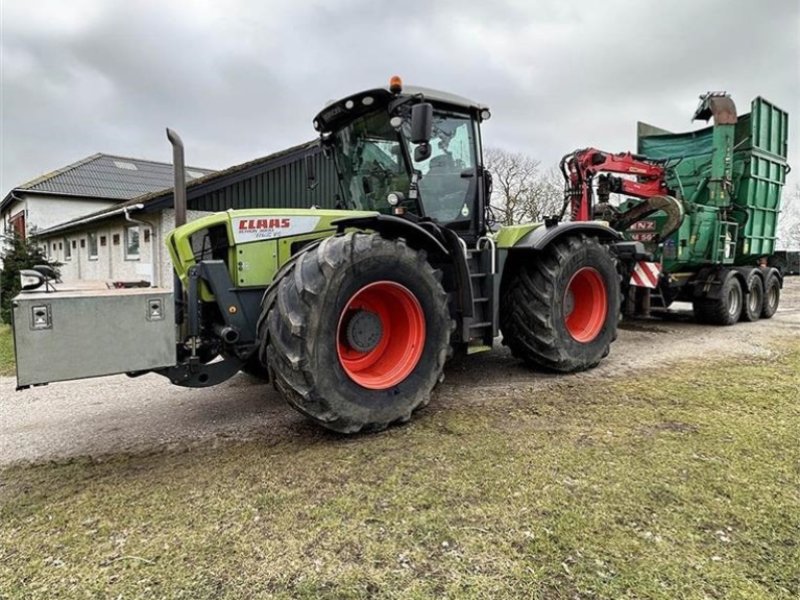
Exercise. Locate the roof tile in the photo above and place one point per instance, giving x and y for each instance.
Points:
(108, 176)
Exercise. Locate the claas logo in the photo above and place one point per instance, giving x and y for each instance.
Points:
(263, 224)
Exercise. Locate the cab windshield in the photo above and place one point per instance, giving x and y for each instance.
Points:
(372, 163)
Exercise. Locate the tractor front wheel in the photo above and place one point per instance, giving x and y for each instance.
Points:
(357, 332)
(561, 306)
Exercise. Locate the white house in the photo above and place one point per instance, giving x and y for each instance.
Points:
(91, 184)
(124, 243)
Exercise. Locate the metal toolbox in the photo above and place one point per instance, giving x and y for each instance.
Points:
(71, 335)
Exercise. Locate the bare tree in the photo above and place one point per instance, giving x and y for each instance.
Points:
(522, 191)
(789, 222)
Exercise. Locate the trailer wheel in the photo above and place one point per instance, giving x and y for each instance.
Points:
(357, 332)
(772, 296)
(560, 309)
(724, 310)
(754, 305)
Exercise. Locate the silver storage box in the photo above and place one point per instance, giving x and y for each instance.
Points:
(72, 335)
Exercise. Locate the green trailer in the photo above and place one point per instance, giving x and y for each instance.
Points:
(728, 179)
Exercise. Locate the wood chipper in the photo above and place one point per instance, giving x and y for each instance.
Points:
(704, 204)
(351, 313)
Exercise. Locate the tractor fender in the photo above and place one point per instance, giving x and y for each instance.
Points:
(446, 246)
(541, 237)
(393, 227)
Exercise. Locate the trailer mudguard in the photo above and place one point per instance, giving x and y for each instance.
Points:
(709, 281)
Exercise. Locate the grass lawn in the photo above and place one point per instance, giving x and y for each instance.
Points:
(683, 483)
(6, 350)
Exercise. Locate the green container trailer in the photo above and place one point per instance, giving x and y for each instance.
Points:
(730, 176)
(729, 179)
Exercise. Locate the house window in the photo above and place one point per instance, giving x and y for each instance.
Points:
(17, 223)
(102, 240)
(146, 236)
(60, 246)
(92, 237)
(74, 244)
(83, 242)
(132, 243)
(115, 239)
(54, 246)
(67, 250)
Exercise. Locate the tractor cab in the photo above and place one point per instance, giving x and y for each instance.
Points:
(411, 152)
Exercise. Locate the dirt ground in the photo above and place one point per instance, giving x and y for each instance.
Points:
(113, 415)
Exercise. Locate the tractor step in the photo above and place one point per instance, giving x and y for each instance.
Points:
(480, 300)
(481, 324)
(474, 349)
(476, 275)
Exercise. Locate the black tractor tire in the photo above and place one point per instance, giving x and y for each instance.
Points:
(724, 310)
(534, 307)
(256, 366)
(754, 303)
(772, 296)
(302, 325)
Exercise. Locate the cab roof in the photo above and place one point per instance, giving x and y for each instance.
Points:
(335, 109)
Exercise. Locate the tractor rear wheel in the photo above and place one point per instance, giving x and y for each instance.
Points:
(356, 332)
(255, 369)
(772, 296)
(560, 309)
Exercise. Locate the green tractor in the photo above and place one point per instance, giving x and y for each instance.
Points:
(353, 313)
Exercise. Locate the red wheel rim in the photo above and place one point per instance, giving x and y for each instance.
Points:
(586, 300)
(401, 341)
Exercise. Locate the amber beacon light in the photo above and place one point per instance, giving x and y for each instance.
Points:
(395, 84)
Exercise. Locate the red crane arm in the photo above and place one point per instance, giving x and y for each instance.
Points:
(581, 167)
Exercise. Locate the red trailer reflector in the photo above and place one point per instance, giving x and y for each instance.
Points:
(646, 274)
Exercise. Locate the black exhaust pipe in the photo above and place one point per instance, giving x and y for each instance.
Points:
(180, 177)
(179, 194)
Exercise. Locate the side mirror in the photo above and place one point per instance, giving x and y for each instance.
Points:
(311, 172)
(422, 130)
(421, 123)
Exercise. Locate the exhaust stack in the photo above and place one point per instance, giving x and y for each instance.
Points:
(180, 177)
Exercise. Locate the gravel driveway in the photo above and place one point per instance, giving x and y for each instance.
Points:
(116, 414)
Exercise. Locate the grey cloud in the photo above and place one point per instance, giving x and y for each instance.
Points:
(247, 78)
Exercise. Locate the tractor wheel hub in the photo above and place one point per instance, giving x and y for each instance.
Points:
(364, 330)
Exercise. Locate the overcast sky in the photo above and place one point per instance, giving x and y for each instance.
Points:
(241, 79)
